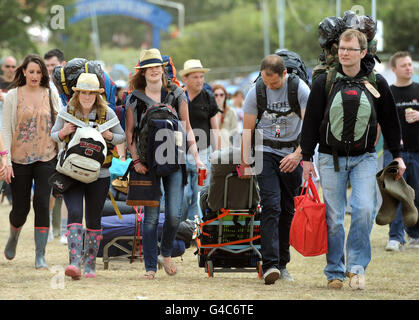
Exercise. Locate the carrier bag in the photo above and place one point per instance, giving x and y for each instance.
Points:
(308, 232)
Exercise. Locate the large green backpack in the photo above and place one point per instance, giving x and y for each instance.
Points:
(350, 121)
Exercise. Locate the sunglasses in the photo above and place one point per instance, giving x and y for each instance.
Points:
(9, 66)
(219, 94)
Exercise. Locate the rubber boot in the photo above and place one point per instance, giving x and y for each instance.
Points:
(91, 245)
(403, 193)
(75, 245)
(10, 250)
(388, 210)
(56, 217)
(41, 239)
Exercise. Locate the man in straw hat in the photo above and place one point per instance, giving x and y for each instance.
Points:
(202, 115)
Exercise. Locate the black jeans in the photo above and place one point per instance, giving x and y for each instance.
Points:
(38, 173)
(277, 191)
(94, 194)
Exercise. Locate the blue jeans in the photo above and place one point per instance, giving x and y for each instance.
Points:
(277, 191)
(411, 176)
(173, 195)
(190, 201)
(361, 172)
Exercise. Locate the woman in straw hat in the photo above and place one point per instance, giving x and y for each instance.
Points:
(28, 115)
(151, 80)
(88, 105)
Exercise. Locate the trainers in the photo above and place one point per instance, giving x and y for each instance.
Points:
(271, 275)
(394, 245)
(356, 281)
(63, 239)
(413, 243)
(284, 274)
(335, 284)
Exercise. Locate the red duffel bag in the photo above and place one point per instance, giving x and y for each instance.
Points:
(308, 233)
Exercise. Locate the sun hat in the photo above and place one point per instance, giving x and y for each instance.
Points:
(192, 65)
(88, 82)
(150, 58)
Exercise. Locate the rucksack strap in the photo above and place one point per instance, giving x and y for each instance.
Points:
(275, 144)
(261, 99)
(63, 83)
(72, 119)
(293, 83)
(142, 96)
(292, 92)
(101, 128)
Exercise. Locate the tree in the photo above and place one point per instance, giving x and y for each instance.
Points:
(16, 17)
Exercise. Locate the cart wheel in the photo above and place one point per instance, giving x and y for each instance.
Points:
(209, 268)
(259, 269)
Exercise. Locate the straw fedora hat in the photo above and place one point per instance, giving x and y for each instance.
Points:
(150, 58)
(192, 65)
(88, 82)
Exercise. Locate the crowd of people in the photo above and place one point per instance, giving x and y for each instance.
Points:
(33, 134)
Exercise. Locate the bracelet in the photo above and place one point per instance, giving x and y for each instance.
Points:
(3, 153)
(135, 161)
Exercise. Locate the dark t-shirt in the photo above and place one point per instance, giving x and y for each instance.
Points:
(4, 85)
(201, 109)
(407, 97)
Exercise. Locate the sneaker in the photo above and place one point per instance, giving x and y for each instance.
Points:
(50, 234)
(413, 243)
(271, 275)
(285, 275)
(335, 284)
(356, 281)
(63, 239)
(394, 245)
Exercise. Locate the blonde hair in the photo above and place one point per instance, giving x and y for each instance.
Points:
(100, 103)
(350, 34)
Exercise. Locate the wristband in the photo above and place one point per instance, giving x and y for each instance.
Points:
(136, 161)
(3, 153)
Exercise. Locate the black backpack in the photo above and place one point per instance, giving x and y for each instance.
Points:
(296, 69)
(146, 111)
(350, 121)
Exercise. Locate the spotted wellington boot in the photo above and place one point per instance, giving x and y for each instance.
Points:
(91, 247)
(75, 245)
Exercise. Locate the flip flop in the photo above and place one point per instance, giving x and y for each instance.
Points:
(149, 275)
(168, 268)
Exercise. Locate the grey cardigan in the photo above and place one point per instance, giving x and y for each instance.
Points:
(118, 133)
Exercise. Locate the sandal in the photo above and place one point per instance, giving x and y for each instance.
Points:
(149, 275)
(170, 268)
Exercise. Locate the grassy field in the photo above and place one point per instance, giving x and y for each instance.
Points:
(390, 276)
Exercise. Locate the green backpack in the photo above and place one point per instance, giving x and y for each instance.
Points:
(350, 121)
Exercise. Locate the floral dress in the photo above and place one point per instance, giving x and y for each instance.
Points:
(32, 137)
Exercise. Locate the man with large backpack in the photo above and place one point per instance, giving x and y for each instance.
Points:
(343, 109)
(280, 120)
